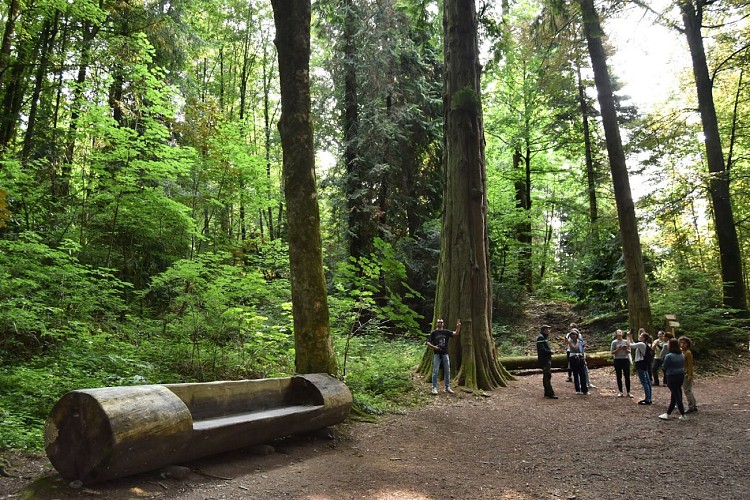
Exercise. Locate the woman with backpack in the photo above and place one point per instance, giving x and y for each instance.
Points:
(643, 355)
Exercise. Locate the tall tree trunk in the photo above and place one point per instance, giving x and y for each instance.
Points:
(590, 171)
(48, 36)
(639, 308)
(355, 184)
(314, 350)
(464, 289)
(15, 90)
(522, 168)
(267, 128)
(7, 41)
(734, 293)
(61, 186)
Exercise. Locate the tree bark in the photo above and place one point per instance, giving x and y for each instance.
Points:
(593, 360)
(639, 309)
(48, 37)
(522, 168)
(357, 189)
(590, 171)
(464, 287)
(734, 292)
(314, 350)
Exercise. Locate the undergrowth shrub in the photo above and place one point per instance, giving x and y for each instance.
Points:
(48, 296)
(696, 301)
(380, 373)
(224, 320)
(32, 388)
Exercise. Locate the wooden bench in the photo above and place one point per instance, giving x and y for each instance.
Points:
(98, 434)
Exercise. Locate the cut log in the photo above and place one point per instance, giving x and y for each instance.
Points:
(94, 435)
(593, 360)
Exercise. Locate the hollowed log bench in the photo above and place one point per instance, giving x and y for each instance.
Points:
(99, 434)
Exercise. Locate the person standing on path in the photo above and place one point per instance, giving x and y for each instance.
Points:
(674, 368)
(438, 342)
(620, 350)
(544, 357)
(687, 385)
(641, 351)
(577, 363)
(573, 326)
(664, 351)
(658, 360)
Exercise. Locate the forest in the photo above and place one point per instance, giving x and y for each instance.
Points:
(151, 230)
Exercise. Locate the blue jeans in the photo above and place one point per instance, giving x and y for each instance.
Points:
(645, 382)
(437, 360)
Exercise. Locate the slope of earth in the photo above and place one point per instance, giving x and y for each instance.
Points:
(510, 444)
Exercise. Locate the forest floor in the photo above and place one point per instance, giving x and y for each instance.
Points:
(508, 444)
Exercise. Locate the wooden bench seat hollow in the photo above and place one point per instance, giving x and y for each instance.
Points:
(253, 417)
(98, 434)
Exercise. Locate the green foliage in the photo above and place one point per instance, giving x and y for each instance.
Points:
(209, 307)
(369, 294)
(597, 275)
(47, 296)
(509, 343)
(31, 388)
(379, 373)
(696, 301)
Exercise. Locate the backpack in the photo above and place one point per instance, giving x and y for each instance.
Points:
(648, 359)
(649, 356)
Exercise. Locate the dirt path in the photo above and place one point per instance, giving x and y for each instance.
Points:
(511, 445)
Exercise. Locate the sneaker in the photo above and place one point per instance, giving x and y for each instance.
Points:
(449, 390)
(550, 397)
(592, 386)
(682, 417)
(569, 380)
(664, 416)
(630, 395)
(585, 393)
(579, 392)
(619, 394)
(642, 402)
(434, 390)
(692, 409)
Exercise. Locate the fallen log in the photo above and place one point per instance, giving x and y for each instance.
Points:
(593, 360)
(94, 435)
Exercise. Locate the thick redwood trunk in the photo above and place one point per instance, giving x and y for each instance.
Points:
(464, 289)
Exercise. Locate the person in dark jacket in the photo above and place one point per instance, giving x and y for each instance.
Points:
(544, 355)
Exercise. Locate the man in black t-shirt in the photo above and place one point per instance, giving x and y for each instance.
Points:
(544, 355)
(438, 342)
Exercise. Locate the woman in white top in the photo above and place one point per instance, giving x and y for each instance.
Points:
(640, 354)
(620, 350)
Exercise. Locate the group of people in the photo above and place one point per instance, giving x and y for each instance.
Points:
(670, 355)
